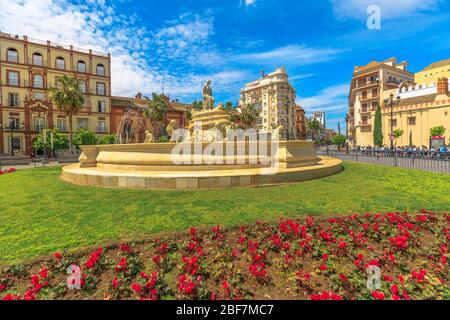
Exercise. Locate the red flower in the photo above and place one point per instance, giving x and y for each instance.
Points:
(115, 283)
(122, 266)
(136, 287)
(378, 295)
(326, 296)
(57, 255)
(125, 248)
(43, 273)
(323, 267)
(343, 277)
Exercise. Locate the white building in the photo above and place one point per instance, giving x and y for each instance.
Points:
(274, 97)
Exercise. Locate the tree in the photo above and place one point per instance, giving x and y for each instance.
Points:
(235, 116)
(314, 127)
(155, 111)
(437, 131)
(377, 128)
(338, 140)
(60, 141)
(68, 97)
(397, 134)
(197, 105)
(249, 116)
(108, 139)
(188, 115)
(84, 137)
(228, 105)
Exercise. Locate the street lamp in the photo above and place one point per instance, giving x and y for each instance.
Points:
(390, 102)
(347, 119)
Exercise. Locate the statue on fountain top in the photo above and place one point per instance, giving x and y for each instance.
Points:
(208, 99)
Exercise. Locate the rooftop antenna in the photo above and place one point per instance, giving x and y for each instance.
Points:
(262, 74)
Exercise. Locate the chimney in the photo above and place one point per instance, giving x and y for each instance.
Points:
(443, 86)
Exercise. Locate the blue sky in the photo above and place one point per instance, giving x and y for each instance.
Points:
(177, 44)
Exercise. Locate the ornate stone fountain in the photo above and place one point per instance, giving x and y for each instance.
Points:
(205, 159)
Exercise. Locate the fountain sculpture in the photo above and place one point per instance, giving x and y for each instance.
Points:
(209, 155)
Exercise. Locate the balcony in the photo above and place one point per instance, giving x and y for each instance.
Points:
(361, 85)
(14, 128)
(364, 123)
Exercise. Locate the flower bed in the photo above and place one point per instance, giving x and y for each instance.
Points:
(313, 258)
(10, 170)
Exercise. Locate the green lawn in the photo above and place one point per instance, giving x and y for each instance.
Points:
(40, 214)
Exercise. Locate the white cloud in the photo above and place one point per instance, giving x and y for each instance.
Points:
(292, 55)
(331, 99)
(247, 3)
(142, 60)
(390, 9)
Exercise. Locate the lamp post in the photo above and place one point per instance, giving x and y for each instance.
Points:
(347, 119)
(390, 102)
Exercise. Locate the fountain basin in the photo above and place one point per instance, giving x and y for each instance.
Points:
(234, 164)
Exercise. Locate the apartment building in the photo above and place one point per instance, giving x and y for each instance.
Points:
(274, 97)
(431, 74)
(300, 122)
(367, 89)
(28, 67)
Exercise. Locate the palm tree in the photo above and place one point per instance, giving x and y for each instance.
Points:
(155, 111)
(314, 127)
(397, 135)
(197, 105)
(249, 116)
(68, 97)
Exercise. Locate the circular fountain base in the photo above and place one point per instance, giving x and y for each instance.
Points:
(151, 166)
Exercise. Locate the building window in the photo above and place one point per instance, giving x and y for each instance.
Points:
(412, 121)
(13, 78)
(100, 70)
(38, 81)
(39, 124)
(16, 143)
(364, 95)
(61, 124)
(82, 123)
(13, 99)
(37, 59)
(14, 123)
(100, 88)
(375, 93)
(101, 126)
(81, 66)
(394, 122)
(12, 55)
(60, 63)
(101, 106)
(82, 86)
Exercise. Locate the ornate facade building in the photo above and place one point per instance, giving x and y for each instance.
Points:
(420, 108)
(433, 72)
(300, 120)
(28, 67)
(367, 89)
(274, 97)
(175, 111)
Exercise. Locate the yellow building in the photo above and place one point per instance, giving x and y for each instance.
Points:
(274, 97)
(367, 88)
(28, 68)
(420, 108)
(433, 72)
